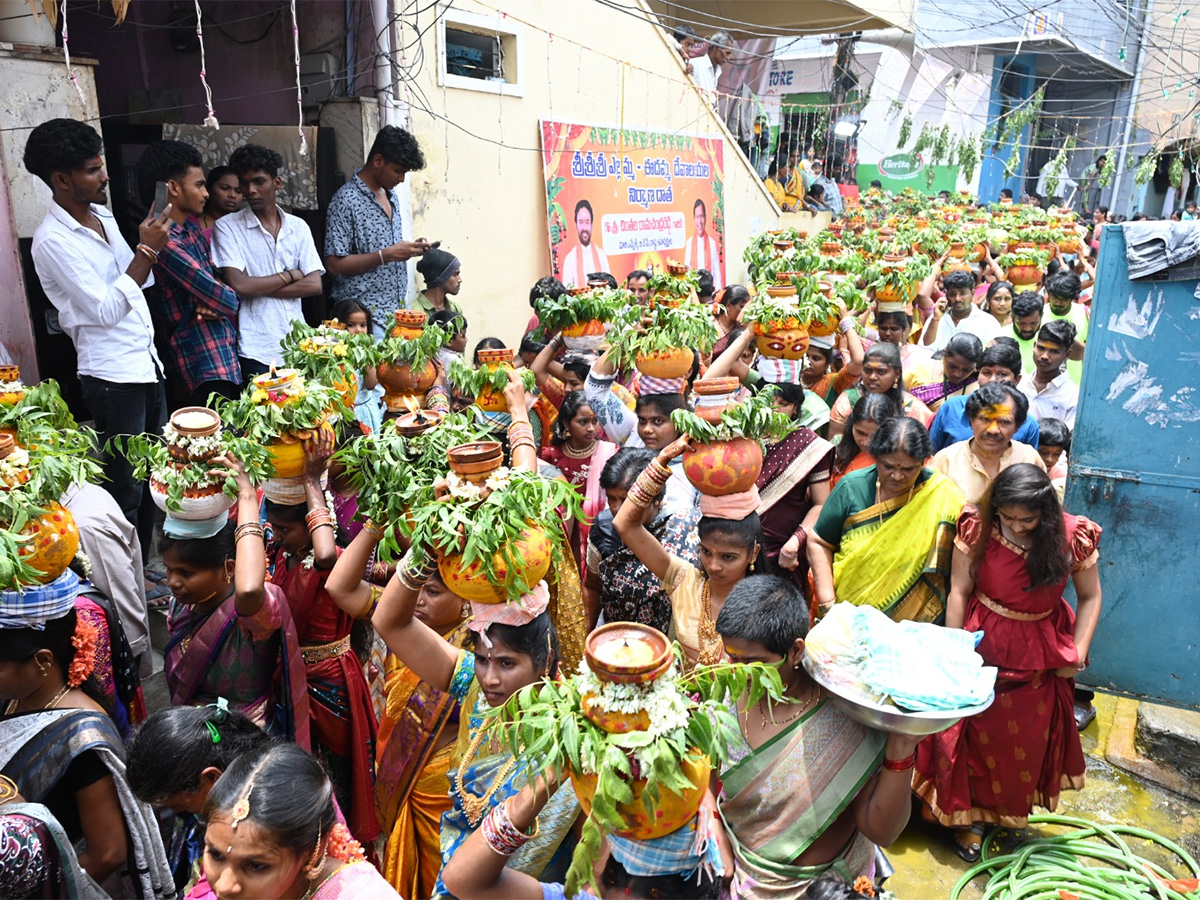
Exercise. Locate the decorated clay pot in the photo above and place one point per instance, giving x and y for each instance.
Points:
(958, 250)
(646, 819)
(665, 363)
(1069, 245)
(287, 455)
(16, 470)
(956, 265)
(784, 340)
(612, 721)
(824, 327)
(714, 395)
(409, 323)
(205, 502)
(400, 384)
(584, 337)
(9, 392)
(782, 247)
(477, 461)
(194, 422)
(488, 399)
(1025, 274)
(532, 548)
(677, 269)
(723, 467)
(627, 653)
(977, 253)
(279, 380)
(785, 278)
(831, 248)
(55, 541)
(780, 291)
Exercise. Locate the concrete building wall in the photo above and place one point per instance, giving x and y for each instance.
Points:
(483, 194)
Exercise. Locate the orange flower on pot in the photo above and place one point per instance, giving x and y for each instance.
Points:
(54, 542)
(723, 467)
(670, 813)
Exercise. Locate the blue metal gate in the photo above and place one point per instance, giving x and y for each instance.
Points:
(1134, 470)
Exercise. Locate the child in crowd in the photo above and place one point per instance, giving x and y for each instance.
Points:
(454, 324)
(1054, 446)
(368, 403)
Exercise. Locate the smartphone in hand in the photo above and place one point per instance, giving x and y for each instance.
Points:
(160, 198)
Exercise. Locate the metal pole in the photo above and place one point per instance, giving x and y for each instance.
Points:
(1139, 67)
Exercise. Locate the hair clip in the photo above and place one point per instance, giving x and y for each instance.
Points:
(240, 811)
(221, 716)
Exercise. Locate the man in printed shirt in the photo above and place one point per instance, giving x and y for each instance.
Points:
(94, 279)
(201, 309)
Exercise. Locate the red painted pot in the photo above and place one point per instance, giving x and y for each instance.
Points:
(725, 467)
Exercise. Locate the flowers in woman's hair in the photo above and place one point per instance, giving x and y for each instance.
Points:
(344, 847)
(84, 641)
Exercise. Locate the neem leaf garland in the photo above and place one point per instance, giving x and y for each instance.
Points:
(752, 418)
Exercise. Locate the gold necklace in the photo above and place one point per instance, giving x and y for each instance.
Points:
(14, 705)
(578, 454)
(706, 630)
(814, 694)
(474, 806)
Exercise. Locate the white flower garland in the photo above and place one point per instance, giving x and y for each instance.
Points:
(11, 387)
(662, 700)
(461, 489)
(15, 464)
(193, 445)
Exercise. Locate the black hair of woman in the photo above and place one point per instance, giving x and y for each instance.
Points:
(571, 404)
(21, 644)
(1026, 486)
(965, 345)
(889, 355)
(285, 512)
(624, 467)
(173, 748)
(202, 553)
(616, 878)
(537, 639)
(530, 344)
(793, 393)
(747, 532)
(487, 343)
(997, 286)
(289, 796)
(901, 435)
(868, 408)
(663, 404)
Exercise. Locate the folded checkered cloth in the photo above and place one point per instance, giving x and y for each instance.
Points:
(515, 612)
(778, 371)
(647, 385)
(37, 604)
(682, 852)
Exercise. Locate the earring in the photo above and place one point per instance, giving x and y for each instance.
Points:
(466, 609)
(751, 565)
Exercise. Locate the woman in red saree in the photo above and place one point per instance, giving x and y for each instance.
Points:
(1012, 558)
(342, 717)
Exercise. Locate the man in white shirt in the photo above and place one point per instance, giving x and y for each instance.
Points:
(585, 257)
(700, 251)
(959, 314)
(706, 70)
(268, 257)
(95, 280)
(1051, 392)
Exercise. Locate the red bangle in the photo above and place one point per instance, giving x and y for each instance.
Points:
(900, 765)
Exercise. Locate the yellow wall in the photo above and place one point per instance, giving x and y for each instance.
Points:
(487, 204)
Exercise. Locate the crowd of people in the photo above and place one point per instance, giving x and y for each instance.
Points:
(327, 734)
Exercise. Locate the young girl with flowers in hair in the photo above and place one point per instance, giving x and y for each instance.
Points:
(343, 726)
(272, 832)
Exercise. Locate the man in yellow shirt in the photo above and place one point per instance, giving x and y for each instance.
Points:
(777, 177)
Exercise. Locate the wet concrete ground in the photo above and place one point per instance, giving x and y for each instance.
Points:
(927, 868)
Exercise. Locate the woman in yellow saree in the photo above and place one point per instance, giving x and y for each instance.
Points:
(885, 536)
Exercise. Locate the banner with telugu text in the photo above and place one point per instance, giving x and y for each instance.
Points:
(621, 199)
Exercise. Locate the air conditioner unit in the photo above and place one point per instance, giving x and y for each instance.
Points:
(320, 78)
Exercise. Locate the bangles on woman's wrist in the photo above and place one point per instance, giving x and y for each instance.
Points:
(412, 574)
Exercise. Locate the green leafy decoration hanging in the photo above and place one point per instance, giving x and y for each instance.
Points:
(924, 140)
(1108, 169)
(1175, 172)
(1145, 169)
(906, 125)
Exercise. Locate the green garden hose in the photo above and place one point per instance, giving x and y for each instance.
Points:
(1088, 861)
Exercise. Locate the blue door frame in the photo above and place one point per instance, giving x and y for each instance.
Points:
(991, 172)
(1135, 470)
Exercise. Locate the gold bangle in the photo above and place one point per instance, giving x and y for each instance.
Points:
(373, 595)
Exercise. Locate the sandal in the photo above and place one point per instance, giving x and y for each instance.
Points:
(969, 850)
(158, 597)
(154, 574)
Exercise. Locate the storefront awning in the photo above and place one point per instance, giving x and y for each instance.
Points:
(785, 18)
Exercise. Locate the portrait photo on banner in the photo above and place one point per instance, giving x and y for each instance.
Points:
(619, 199)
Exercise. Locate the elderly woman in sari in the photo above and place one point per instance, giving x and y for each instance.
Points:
(808, 793)
(61, 749)
(885, 535)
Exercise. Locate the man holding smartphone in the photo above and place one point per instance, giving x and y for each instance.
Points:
(95, 281)
(364, 247)
(201, 309)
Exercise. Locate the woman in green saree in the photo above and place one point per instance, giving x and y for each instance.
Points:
(809, 793)
(885, 536)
